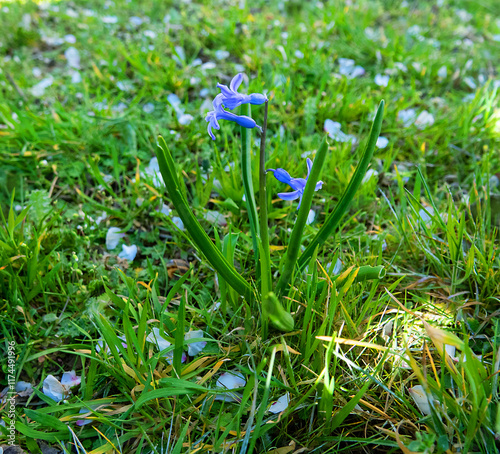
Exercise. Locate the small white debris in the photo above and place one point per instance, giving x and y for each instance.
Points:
(73, 57)
(424, 120)
(178, 222)
(381, 80)
(59, 390)
(149, 34)
(230, 380)
(135, 21)
(311, 217)
(333, 130)
(109, 19)
(185, 119)
(113, 237)
(37, 72)
(38, 90)
(125, 85)
(153, 170)
(221, 54)
(162, 344)
(70, 39)
(280, 405)
(407, 116)
(128, 252)
(148, 108)
(299, 54)
(442, 72)
(76, 77)
(426, 215)
(369, 174)
(208, 65)
(382, 142)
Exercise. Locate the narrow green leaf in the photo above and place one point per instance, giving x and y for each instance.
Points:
(212, 254)
(334, 219)
(173, 387)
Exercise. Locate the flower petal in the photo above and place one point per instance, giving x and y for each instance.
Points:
(281, 175)
(289, 195)
(309, 167)
(70, 379)
(195, 347)
(298, 183)
(52, 388)
(236, 82)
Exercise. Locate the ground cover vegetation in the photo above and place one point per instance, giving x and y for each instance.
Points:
(119, 336)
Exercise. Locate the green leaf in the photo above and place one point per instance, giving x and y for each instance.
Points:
(48, 421)
(171, 387)
(334, 219)
(201, 239)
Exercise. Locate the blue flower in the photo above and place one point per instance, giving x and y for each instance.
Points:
(232, 99)
(219, 113)
(297, 184)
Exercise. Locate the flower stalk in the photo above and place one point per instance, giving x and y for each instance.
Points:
(265, 258)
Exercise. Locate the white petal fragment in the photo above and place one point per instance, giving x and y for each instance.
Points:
(195, 347)
(113, 237)
(128, 252)
(280, 405)
(421, 399)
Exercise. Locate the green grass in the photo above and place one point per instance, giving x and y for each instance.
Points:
(430, 217)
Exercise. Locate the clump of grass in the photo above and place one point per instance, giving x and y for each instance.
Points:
(76, 160)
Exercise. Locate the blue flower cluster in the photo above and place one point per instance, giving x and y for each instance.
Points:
(230, 98)
(297, 184)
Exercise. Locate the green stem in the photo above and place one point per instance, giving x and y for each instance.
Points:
(265, 259)
(200, 238)
(246, 171)
(365, 273)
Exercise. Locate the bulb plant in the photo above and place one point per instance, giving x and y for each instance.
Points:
(267, 293)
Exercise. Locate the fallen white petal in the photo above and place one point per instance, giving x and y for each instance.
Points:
(215, 217)
(185, 119)
(178, 222)
(70, 379)
(231, 380)
(195, 347)
(407, 116)
(442, 72)
(310, 217)
(280, 405)
(381, 80)
(38, 90)
(221, 54)
(424, 120)
(128, 252)
(73, 57)
(53, 388)
(109, 19)
(368, 175)
(113, 237)
(421, 399)
(382, 142)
